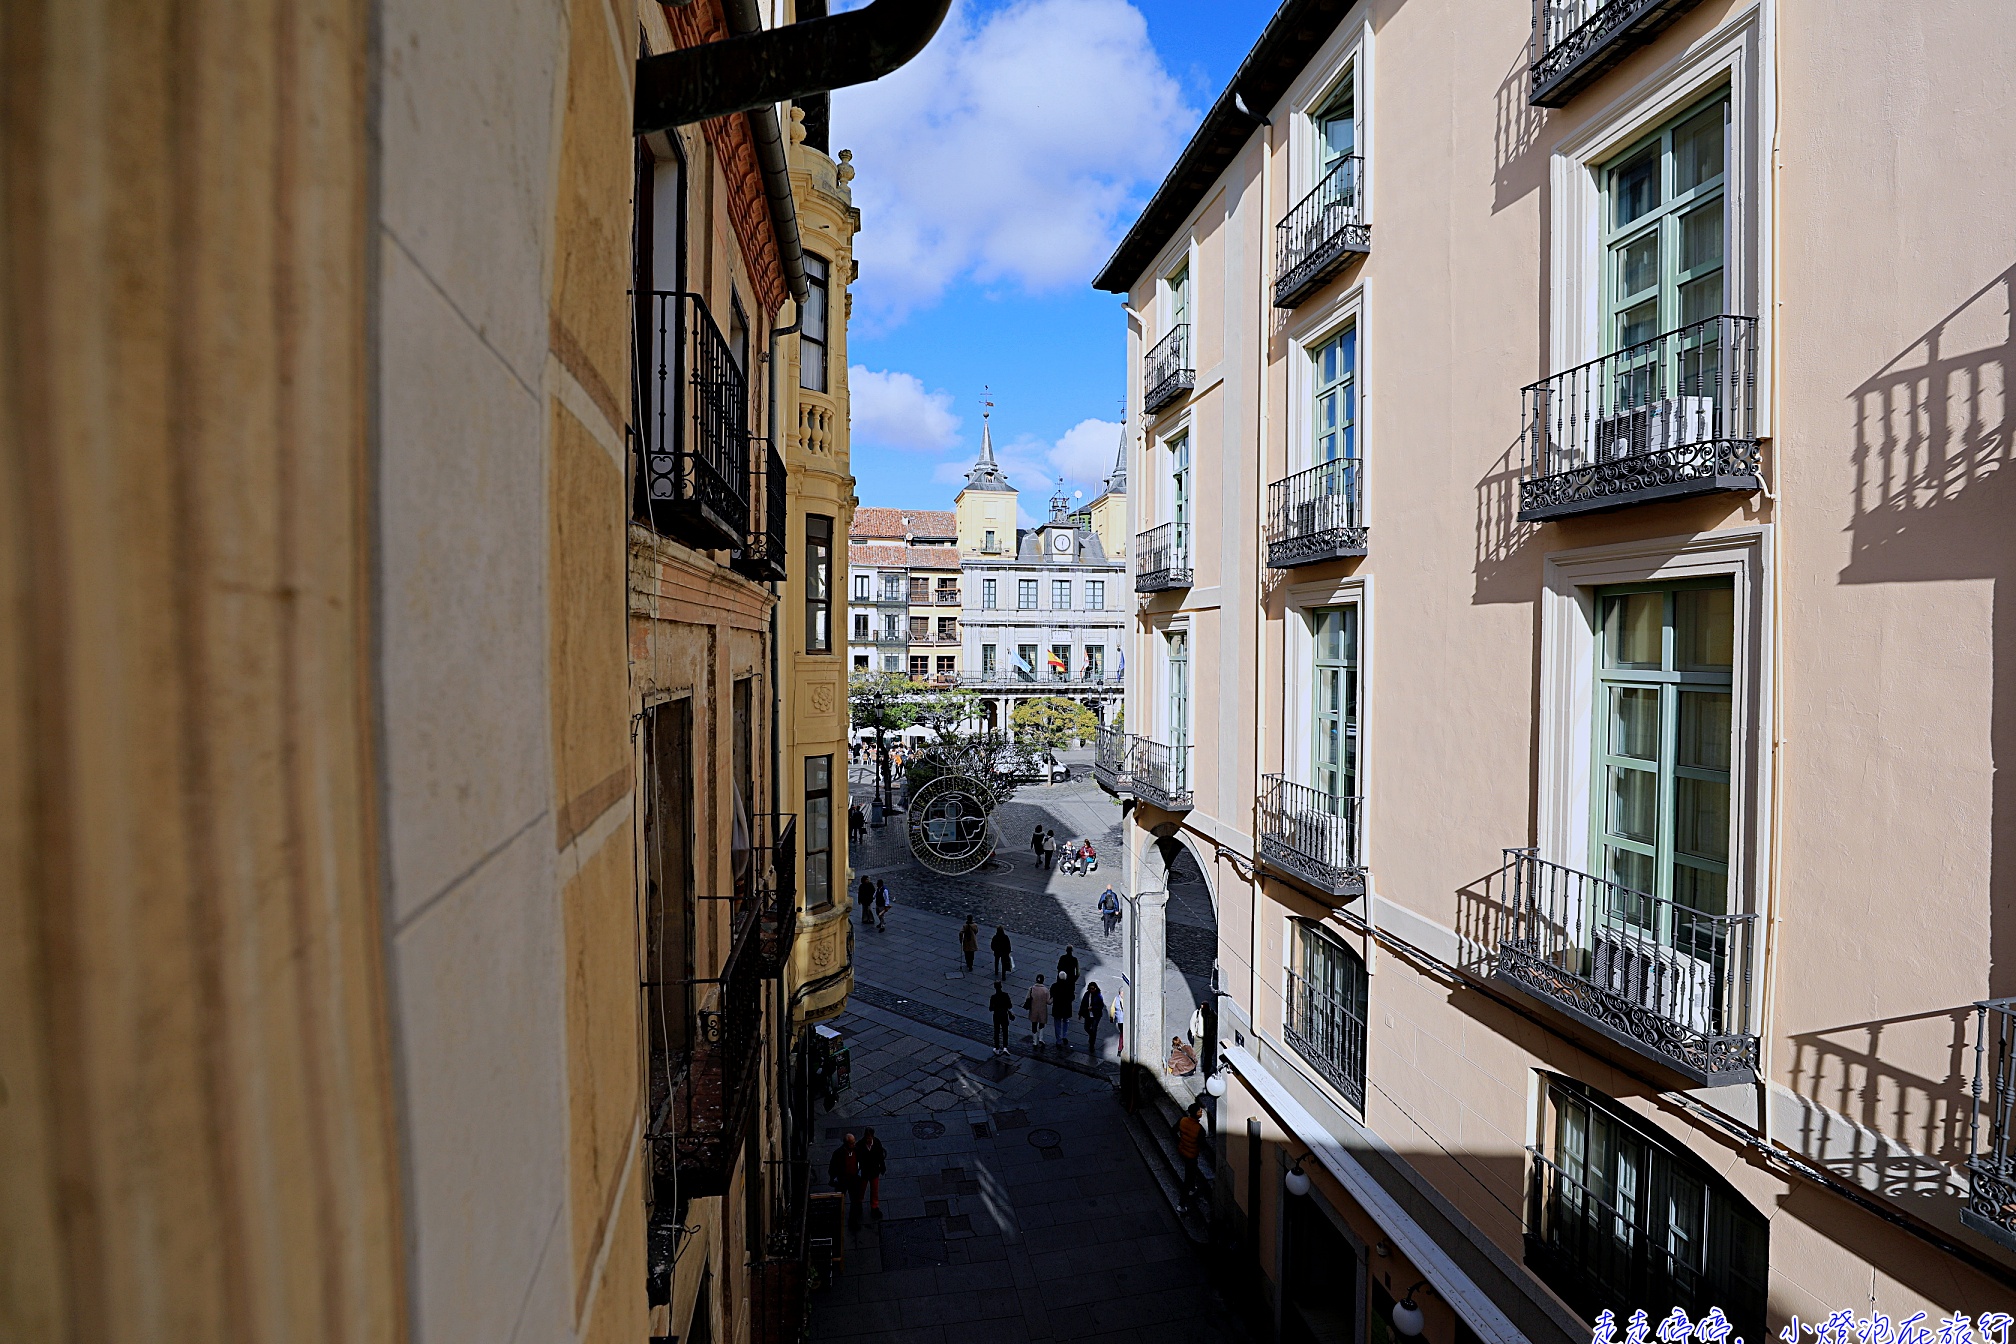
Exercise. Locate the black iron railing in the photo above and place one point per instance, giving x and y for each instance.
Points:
(691, 431)
(1312, 836)
(946, 597)
(1167, 371)
(778, 1310)
(1672, 416)
(1666, 979)
(762, 558)
(1575, 41)
(1164, 559)
(774, 877)
(1316, 515)
(697, 1127)
(1046, 680)
(1162, 774)
(1329, 1033)
(1321, 235)
(1113, 761)
(1991, 1131)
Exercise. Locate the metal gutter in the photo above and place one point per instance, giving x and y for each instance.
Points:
(747, 22)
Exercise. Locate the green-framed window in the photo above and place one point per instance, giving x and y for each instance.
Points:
(1336, 401)
(1179, 705)
(1664, 740)
(1333, 750)
(1335, 122)
(1665, 227)
(1179, 488)
(1179, 298)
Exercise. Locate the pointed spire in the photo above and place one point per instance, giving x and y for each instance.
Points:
(1116, 484)
(986, 473)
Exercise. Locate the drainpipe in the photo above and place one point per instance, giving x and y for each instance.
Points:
(756, 69)
(747, 22)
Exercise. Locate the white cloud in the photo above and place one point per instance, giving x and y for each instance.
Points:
(892, 410)
(1011, 150)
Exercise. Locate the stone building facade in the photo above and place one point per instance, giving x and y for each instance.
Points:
(1567, 569)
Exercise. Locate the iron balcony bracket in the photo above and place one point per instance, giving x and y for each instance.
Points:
(743, 73)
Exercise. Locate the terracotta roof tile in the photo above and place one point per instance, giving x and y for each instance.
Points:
(874, 524)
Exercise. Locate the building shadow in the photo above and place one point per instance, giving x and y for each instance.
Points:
(1861, 1103)
(1931, 433)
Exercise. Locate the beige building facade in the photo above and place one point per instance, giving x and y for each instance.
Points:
(1583, 444)
(401, 845)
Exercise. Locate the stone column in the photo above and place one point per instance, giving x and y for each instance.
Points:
(1147, 949)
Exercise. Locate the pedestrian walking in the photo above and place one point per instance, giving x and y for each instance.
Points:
(1063, 994)
(1049, 850)
(865, 898)
(969, 941)
(1092, 1012)
(844, 1171)
(1067, 964)
(874, 1161)
(1189, 1143)
(1036, 845)
(1109, 909)
(857, 824)
(1003, 1009)
(1004, 958)
(882, 904)
(1038, 1004)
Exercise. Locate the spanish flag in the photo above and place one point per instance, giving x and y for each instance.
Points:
(1058, 664)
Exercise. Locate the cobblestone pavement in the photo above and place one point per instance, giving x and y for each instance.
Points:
(1016, 1207)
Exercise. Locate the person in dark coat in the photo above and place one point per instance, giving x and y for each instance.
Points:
(969, 941)
(1004, 960)
(1003, 1009)
(1063, 994)
(844, 1171)
(874, 1161)
(1036, 845)
(1067, 964)
(1092, 1012)
(864, 897)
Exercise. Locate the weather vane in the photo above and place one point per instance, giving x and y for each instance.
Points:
(986, 394)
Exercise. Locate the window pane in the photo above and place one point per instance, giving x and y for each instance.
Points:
(1704, 730)
(1704, 890)
(1700, 300)
(1638, 324)
(1634, 722)
(1701, 237)
(1697, 150)
(1631, 870)
(1701, 818)
(1638, 265)
(1705, 637)
(1634, 804)
(1633, 625)
(1634, 188)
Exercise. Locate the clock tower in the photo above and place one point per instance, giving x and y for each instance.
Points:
(1058, 537)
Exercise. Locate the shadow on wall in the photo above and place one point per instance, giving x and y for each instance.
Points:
(1518, 165)
(1933, 497)
(1842, 1071)
(1506, 569)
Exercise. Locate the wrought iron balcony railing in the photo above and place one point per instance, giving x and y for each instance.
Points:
(1311, 836)
(774, 874)
(889, 599)
(1991, 1131)
(692, 432)
(1167, 372)
(778, 1278)
(1329, 1033)
(700, 1100)
(1668, 981)
(946, 597)
(1669, 417)
(1165, 559)
(1161, 774)
(762, 557)
(1048, 682)
(1113, 761)
(1316, 515)
(1320, 236)
(1576, 41)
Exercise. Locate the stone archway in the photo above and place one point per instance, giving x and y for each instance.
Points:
(1165, 869)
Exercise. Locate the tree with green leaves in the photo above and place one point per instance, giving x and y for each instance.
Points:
(988, 758)
(882, 703)
(945, 712)
(1052, 723)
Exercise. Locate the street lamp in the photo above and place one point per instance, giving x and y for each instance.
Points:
(1297, 1180)
(1214, 1083)
(1406, 1316)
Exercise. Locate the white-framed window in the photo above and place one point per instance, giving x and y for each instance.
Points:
(1176, 298)
(860, 587)
(1060, 594)
(1025, 594)
(988, 599)
(1095, 595)
(987, 664)
(1626, 189)
(860, 627)
(1634, 777)
(1326, 642)
(1330, 104)
(1178, 475)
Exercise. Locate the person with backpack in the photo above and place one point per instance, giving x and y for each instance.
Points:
(1109, 909)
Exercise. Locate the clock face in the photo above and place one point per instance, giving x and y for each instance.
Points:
(1061, 542)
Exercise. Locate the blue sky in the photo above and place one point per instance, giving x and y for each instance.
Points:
(994, 175)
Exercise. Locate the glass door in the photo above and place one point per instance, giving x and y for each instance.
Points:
(1179, 709)
(1179, 506)
(1336, 433)
(1334, 753)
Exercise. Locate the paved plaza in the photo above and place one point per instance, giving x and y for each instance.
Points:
(1018, 1204)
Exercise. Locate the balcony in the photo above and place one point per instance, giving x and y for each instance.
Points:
(947, 597)
(1161, 774)
(1113, 762)
(1322, 235)
(1667, 418)
(699, 1103)
(1165, 559)
(1576, 41)
(1666, 981)
(774, 877)
(1329, 1033)
(778, 1279)
(1312, 837)
(762, 555)
(1315, 515)
(691, 433)
(1167, 372)
(1991, 1146)
(1047, 683)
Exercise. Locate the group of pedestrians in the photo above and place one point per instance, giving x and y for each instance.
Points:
(856, 1168)
(873, 898)
(1078, 859)
(1050, 1007)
